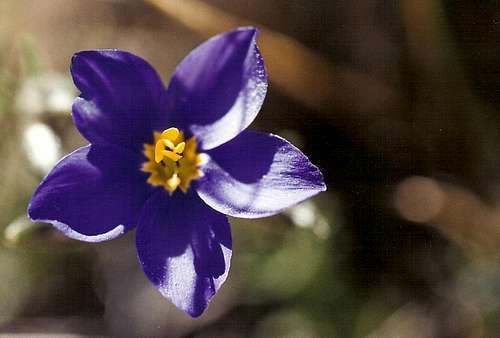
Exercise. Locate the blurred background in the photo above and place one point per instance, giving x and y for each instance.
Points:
(396, 101)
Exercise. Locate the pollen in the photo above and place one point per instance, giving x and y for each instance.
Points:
(173, 162)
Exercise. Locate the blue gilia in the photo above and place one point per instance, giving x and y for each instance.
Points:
(173, 162)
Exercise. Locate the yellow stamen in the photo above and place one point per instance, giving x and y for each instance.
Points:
(169, 144)
(172, 162)
(170, 134)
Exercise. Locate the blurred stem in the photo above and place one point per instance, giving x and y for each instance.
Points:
(20, 229)
(430, 42)
(468, 221)
(297, 70)
(457, 212)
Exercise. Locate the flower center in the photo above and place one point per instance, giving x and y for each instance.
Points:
(172, 161)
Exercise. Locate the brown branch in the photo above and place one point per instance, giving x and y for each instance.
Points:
(295, 69)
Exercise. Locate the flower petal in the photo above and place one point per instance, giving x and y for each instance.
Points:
(94, 194)
(122, 98)
(218, 89)
(257, 175)
(184, 247)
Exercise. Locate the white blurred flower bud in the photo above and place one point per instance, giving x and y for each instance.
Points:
(42, 147)
(46, 93)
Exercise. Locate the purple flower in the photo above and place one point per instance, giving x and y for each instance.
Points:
(174, 162)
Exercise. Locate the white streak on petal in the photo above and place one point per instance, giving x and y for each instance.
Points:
(68, 232)
(179, 270)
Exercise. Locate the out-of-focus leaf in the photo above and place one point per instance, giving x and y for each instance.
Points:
(293, 323)
(288, 269)
(30, 56)
(15, 286)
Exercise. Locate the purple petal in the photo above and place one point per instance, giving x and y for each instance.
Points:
(122, 98)
(184, 248)
(257, 175)
(218, 89)
(94, 194)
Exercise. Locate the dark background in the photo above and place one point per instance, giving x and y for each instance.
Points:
(396, 101)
